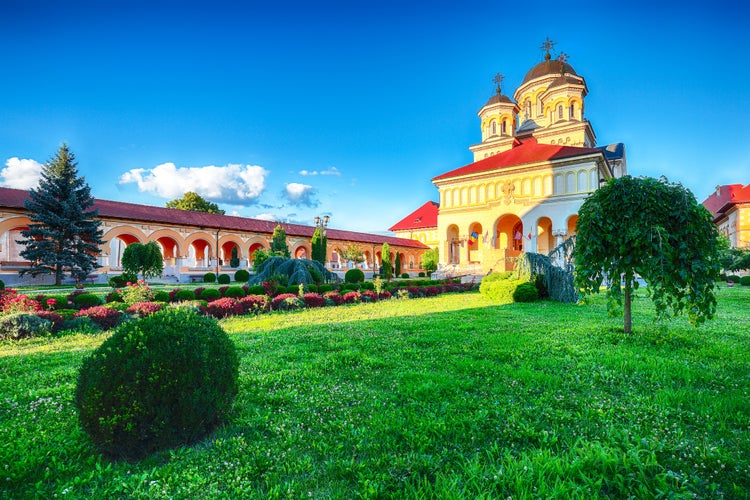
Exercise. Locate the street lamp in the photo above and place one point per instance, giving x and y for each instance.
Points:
(322, 223)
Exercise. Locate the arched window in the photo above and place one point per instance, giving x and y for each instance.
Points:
(504, 129)
(493, 128)
(572, 111)
(559, 112)
(527, 110)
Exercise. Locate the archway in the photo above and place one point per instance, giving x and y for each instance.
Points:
(229, 251)
(169, 251)
(453, 245)
(301, 253)
(572, 225)
(200, 254)
(10, 251)
(251, 252)
(117, 246)
(545, 242)
(509, 231)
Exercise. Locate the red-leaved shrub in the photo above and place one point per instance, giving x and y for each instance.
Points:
(279, 299)
(254, 304)
(335, 297)
(369, 296)
(105, 317)
(144, 309)
(221, 308)
(314, 300)
(55, 318)
(352, 297)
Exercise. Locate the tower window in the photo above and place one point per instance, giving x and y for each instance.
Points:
(493, 127)
(504, 129)
(559, 112)
(572, 111)
(527, 109)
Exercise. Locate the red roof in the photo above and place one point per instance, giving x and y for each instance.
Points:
(726, 194)
(423, 217)
(14, 198)
(527, 151)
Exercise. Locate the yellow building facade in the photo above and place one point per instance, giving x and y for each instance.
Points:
(536, 163)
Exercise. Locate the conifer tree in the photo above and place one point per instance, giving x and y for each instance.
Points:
(397, 264)
(385, 261)
(64, 234)
(319, 243)
(278, 243)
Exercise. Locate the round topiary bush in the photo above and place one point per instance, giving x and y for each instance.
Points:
(161, 381)
(405, 276)
(209, 278)
(224, 279)
(161, 296)
(241, 275)
(84, 300)
(421, 274)
(733, 278)
(183, 295)
(526, 292)
(210, 294)
(235, 292)
(354, 276)
(745, 281)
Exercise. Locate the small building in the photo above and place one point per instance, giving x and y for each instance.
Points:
(192, 241)
(730, 207)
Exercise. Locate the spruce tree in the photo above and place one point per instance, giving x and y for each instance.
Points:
(64, 234)
(278, 243)
(319, 243)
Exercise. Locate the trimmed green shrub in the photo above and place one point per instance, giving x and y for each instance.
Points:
(23, 325)
(210, 294)
(113, 297)
(733, 278)
(121, 280)
(209, 278)
(161, 296)
(84, 300)
(80, 324)
(525, 292)
(103, 316)
(256, 290)
(117, 306)
(421, 274)
(241, 275)
(354, 276)
(745, 281)
(224, 279)
(183, 295)
(498, 287)
(161, 381)
(234, 292)
(2, 285)
(405, 275)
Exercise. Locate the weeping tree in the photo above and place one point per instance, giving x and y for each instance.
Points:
(553, 273)
(295, 271)
(143, 259)
(654, 229)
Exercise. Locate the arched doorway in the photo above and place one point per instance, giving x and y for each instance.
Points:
(117, 246)
(301, 253)
(229, 252)
(545, 242)
(10, 251)
(169, 254)
(510, 239)
(251, 252)
(453, 245)
(572, 225)
(200, 254)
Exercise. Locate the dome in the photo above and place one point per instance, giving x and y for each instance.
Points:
(566, 80)
(498, 98)
(549, 67)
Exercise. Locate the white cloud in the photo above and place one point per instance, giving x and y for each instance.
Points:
(330, 171)
(268, 217)
(20, 174)
(229, 184)
(300, 194)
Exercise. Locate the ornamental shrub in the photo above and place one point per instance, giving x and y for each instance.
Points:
(23, 326)
(354, 276)
(117, 306)
(525, 292)
(113, 297)
(334, 297)
(224, 307)
(255, 304)
(256, 290)
(162, 381)
(421, 274)
(209, 278)
(210, 294)
(161, 296)
(234, 292)
(198, 290)
(81, 324)
(105, 317)
(241, 275)
(368, 296)
(184, 295)
(498, 287)
(405, 275)
(352, 297)
(138, 291)
(143, 309)
(85, 300)
(745, 281)
(52, 317)
(224, 279)
(313, 300)
(2, 285)
(121, 280)
(323, 288)
(733, 278)
(223, 290)
(278, 301)
(12, 302)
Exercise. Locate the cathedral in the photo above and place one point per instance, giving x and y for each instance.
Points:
(537, 161)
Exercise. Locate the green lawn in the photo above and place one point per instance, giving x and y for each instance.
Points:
(445, 397)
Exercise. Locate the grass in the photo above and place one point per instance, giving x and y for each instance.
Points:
(445, 397)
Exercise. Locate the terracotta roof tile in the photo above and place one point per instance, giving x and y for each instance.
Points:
(716, 201)
(423, 217)
(528, 151)
(14, 198)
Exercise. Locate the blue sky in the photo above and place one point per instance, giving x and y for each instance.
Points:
(289, 110)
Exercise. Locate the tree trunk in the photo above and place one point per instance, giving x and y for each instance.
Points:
(626, 310)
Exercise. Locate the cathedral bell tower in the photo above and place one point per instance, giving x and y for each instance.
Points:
(498, 122)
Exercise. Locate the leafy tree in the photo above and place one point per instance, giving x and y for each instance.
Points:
(397, 264)
(64, 234)
(734, 259)
(259, 257)
(430, 260)
(385, 260)
(143, 259)
(319, 243)
(193, 201)
(352, 252)
(278, 242)
(654, 229)
(234, 261)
